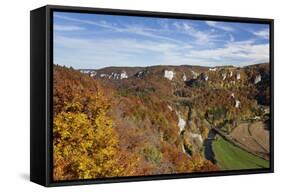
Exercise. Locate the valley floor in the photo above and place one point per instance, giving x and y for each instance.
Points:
(230, 157)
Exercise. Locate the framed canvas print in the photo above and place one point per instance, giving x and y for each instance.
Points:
(122, 95)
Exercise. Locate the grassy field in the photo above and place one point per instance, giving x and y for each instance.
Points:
(230, 157)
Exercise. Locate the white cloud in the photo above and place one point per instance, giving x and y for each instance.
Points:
(90, 22)
(97, 53)
(219, 25)
(67, 28)
(235, 53)
(132, 29)
(144, 31)
(201, 37)
(262, 33)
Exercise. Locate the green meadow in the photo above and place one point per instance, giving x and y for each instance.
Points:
(230, 157)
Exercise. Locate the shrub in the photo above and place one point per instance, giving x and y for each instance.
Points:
(151, 154)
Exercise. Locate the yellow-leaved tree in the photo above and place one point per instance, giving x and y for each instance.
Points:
(84, 141)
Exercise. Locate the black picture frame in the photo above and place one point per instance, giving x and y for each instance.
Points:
(41, 61)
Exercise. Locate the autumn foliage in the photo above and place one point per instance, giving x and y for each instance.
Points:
(99, 131)
(85, 145)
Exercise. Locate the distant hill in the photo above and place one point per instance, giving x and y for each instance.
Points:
(254, 77)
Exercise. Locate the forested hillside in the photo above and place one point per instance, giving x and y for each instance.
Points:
(154, 120)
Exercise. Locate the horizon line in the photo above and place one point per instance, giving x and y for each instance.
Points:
(163, 65)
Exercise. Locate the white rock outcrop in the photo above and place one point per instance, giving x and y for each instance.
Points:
(123, 75)
(85, 71)
(103, 75)
(140, 74)
(184, 77)
(213, 69)
(169, 74)
(223, 76)
(181, 122)
(182, 148)
(93, 73)
(197, 136)
(257, 79)
(238, 76)
(206, 77)
(194, 74)
(170, 108)
(237, 103)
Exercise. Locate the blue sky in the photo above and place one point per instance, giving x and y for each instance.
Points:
(95, 41)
